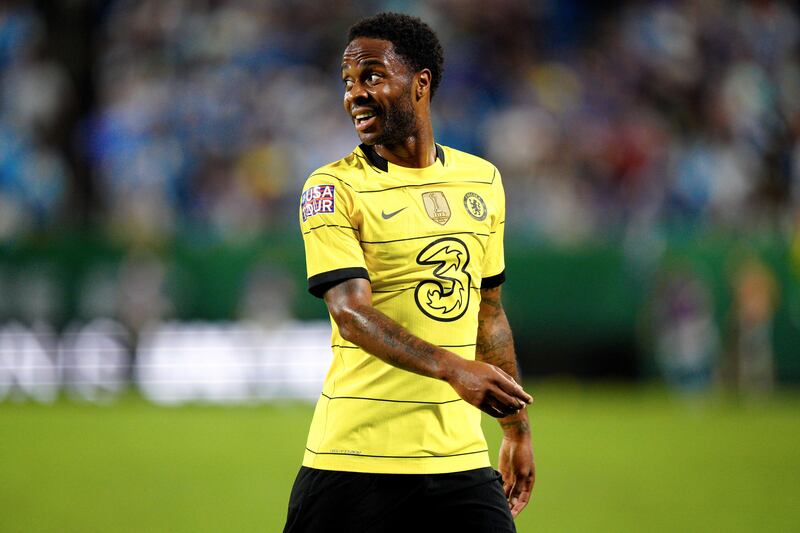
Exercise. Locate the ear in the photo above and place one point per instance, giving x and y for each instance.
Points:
(422, 85)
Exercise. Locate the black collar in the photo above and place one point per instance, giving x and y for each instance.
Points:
(382, 164)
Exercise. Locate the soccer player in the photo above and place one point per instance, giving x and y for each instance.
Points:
(404, 241)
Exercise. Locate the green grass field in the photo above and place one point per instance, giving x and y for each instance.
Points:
(609, 459)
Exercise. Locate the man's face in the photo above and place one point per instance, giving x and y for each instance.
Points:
(377, 92)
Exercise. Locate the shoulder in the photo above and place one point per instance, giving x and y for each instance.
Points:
(349, 172)
(473, 163)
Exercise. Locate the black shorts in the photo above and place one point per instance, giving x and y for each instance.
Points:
(325, 501)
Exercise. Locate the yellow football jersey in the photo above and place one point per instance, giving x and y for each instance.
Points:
(427, 239)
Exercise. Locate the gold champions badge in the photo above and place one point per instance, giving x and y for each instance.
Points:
(436, 206)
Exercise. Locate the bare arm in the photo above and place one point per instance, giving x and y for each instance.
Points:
(485, 386)
(495, 345)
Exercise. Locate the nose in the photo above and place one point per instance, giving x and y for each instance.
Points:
(356, 94)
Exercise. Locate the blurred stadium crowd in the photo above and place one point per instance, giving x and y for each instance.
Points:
(602, 116)
(630, 122)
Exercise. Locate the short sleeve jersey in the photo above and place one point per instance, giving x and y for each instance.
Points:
(427, 240)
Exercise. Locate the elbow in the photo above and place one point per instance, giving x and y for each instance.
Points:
(347, 320)
(350, 307)
(346, 330)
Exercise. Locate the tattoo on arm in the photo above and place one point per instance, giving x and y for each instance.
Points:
(407, 351)
(515, 426)
(350, 303)
(495, 344)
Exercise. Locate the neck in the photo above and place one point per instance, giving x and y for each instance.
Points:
(416, 151)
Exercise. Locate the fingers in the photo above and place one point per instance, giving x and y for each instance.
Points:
(502, 405)
(509, 405)
(510, 386)
(519, 499)
(493, 408)
(508, 484)
(504, 467)
(490, 389)
(520, 494)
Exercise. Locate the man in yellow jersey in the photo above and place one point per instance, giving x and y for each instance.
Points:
(404, 241)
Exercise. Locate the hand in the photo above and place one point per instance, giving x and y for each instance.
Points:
(518, 470)
(487, 387)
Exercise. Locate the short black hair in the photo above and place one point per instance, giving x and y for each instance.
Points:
(414, 41)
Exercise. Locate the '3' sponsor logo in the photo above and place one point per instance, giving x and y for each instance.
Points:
(445, 297)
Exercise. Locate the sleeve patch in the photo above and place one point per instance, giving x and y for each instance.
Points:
(317, 199)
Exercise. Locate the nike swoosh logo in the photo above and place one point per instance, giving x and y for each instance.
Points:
(387, 216)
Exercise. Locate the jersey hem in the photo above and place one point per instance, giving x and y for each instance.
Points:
(389, 465)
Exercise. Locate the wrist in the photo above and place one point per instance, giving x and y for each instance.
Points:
(516, 426)
(448, 366)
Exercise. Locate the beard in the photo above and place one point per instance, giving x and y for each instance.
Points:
(400, 123)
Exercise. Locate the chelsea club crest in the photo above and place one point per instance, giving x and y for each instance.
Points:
(475, 206)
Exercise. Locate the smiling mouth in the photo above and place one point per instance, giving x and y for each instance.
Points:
(364, 120)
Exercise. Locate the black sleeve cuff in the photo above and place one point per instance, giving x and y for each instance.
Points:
(320, 283)
(493, 281)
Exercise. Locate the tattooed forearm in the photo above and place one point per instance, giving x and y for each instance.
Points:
(365, 326)
(515, 426)
(495, 345)
(405, 351)
(494, 342)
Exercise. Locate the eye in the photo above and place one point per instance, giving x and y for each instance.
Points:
(348, 83)
(374, 78)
